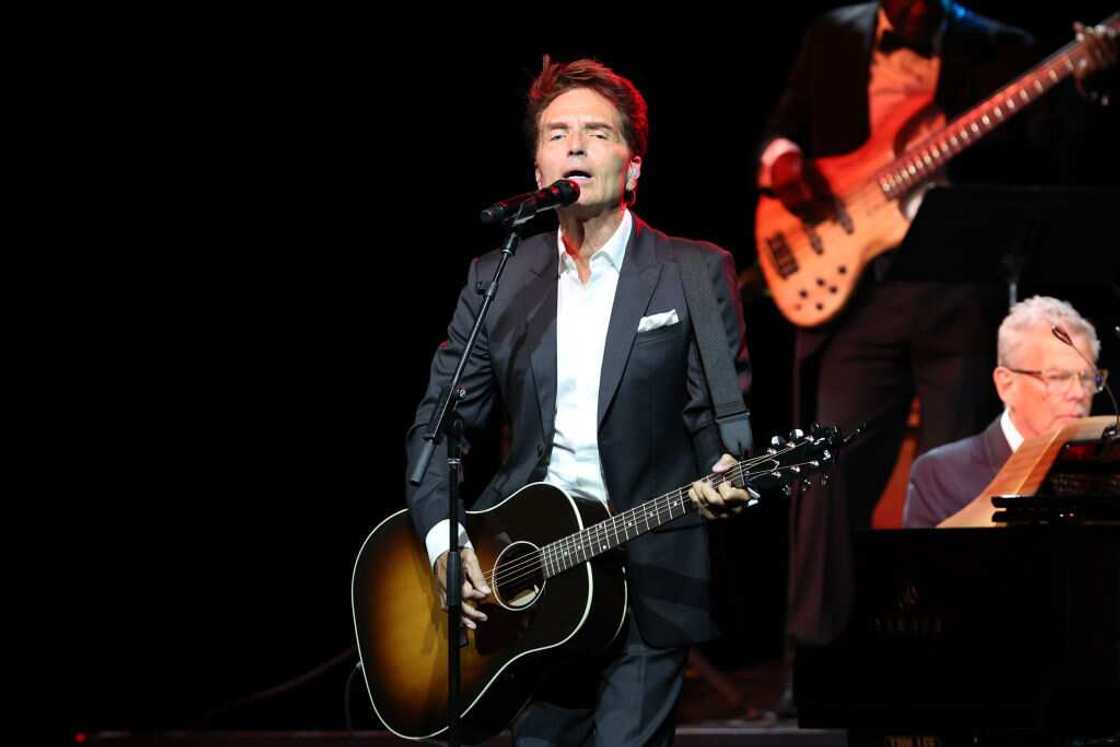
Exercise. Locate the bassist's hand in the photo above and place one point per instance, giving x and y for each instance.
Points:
(799, 187)
(1102, 47)
(474, 586)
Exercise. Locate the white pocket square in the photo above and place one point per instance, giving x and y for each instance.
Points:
(656, 321)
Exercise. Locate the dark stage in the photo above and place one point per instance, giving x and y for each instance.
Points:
(275, 213)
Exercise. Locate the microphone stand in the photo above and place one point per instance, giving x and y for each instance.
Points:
(446, 423)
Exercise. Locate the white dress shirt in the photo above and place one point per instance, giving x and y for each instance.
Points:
(583, 314)
(1010, 432)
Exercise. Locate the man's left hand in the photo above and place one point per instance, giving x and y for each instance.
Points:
(1102, 43)
(719, 502)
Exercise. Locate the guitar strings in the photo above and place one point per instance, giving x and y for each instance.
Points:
(658, 505)
(528, 566)
(579, 542)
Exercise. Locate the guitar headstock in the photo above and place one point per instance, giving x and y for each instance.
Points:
(798, 456)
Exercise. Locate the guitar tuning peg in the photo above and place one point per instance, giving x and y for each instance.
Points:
(826, 455)
(796, 433)
(815, 464)
(795, 469)
(777, 441)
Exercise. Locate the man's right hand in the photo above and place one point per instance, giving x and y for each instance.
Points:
(800, 188)
(474, 586)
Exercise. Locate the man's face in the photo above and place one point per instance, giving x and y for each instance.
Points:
(1040, 404)
(913, 19)
(580, 138)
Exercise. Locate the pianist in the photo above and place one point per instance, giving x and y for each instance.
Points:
(1044, 383)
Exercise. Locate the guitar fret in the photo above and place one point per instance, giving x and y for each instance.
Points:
(925, 158)
(617, 529)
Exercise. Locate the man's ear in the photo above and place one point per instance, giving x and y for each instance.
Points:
(1004, 381)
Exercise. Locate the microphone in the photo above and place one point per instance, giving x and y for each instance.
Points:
(1113, 430)
(523, 207)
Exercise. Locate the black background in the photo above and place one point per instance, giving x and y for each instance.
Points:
(272, 216)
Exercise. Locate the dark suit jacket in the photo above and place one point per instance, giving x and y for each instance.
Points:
(946, 479)
(824, 108)
(656, 428)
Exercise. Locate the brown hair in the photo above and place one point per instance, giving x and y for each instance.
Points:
(557, 78)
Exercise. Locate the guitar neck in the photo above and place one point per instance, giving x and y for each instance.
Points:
(776, 467)
(919, 164)
(620, 528)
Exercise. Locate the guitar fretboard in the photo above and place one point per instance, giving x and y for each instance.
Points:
(919, 164)
(617, 530)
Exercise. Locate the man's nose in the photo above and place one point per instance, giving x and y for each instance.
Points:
(576, 144)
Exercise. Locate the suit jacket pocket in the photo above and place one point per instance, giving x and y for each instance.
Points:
(660, 333)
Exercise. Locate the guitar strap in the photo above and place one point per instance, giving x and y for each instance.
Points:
(732, 415)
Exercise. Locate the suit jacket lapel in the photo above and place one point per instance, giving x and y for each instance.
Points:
(854, 54)
(996, 448)
(636, 281)
(540, 335)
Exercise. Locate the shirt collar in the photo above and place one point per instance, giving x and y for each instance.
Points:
(1010, 432)
(613, 251)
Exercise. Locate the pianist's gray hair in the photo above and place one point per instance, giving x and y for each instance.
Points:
(1042, 311)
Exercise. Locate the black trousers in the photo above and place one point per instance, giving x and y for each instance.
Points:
(897, 340)
(627, 696)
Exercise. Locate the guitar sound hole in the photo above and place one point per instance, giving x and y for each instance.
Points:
(518, 577)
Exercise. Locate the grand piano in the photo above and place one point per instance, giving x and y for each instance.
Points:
(1003, 624)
